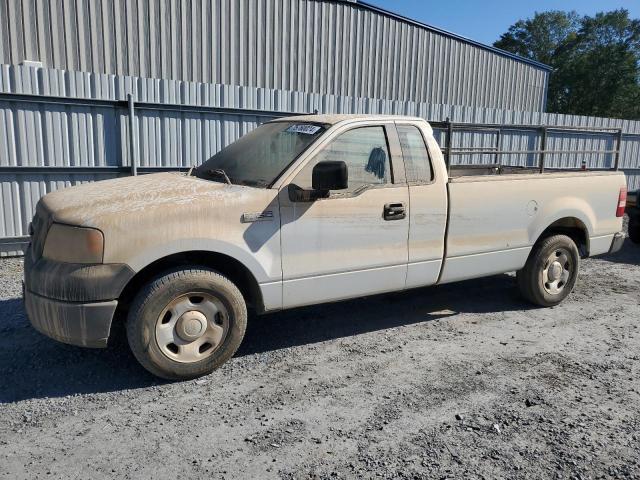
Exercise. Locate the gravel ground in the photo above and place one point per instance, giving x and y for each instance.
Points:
(459, 380)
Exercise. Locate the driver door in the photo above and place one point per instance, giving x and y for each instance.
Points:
(354, 242)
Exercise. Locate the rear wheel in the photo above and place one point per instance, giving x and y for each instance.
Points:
(634, 227)
(186, 323)
(551, 271)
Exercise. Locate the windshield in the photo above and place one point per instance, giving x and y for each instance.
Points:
(258, 158)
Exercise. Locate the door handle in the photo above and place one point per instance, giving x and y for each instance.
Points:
(394, 211)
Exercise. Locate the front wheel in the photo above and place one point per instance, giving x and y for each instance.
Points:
(186, 323)
(551, 271)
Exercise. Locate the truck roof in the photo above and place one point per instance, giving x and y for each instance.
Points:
(333, 119)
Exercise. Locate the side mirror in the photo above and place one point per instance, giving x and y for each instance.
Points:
(330, 175)
(325, 176)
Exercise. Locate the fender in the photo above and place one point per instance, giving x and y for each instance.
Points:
(248, 259)
(559, 208)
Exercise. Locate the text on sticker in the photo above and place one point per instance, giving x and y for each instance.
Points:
(302, 128)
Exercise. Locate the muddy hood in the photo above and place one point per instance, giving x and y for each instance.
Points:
(125, 199)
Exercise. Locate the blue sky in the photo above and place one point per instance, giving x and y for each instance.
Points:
(485, 20)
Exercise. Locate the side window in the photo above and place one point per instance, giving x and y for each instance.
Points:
(366, 154)
(416, 158)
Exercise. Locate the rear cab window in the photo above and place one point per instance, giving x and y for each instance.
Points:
(417, 163)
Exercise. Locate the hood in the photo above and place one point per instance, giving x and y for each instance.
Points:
(91, 204)
(149, 217)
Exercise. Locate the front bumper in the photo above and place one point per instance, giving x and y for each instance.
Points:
(83, 324)
(617, 242)
(73, 303)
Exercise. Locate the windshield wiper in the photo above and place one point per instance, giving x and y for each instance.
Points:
(254, 183)
(219, 172)
(361, 189)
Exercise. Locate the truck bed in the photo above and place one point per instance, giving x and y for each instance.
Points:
(492, 172)
(494, 220)
(457, 171)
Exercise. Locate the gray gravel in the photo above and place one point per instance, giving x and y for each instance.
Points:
(460, 380)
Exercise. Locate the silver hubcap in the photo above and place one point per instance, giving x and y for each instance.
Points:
(192, 327)
(557, 271)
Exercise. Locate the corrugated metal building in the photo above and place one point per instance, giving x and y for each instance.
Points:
(334, 47)
(209, 71)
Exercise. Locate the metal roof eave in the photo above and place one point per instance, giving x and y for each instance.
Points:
(397, 16)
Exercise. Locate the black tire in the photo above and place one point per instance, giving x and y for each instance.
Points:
(531, 279)
(154, 299)
(634, 227)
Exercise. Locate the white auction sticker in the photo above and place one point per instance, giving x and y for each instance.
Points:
(303, 128)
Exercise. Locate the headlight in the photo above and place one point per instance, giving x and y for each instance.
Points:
(69, 244)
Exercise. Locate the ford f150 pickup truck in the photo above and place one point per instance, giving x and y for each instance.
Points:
(300, 211)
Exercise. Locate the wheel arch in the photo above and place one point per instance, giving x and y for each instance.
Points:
(224, 264)
(572, 227)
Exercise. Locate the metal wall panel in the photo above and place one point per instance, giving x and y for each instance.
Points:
(168, 135)
(320, 46)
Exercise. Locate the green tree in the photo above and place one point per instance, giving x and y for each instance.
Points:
(595, 60)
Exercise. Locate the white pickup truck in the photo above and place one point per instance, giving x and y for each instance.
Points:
(300, 211)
